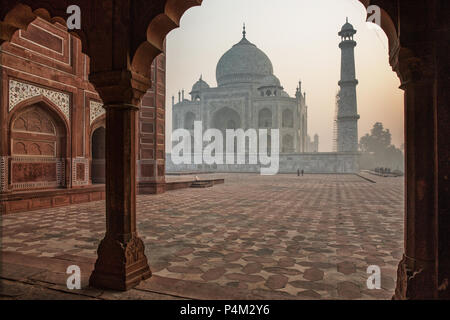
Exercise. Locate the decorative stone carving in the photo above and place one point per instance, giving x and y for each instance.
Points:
(417, 283)
(20, 91)
(80, 172)
(135, 250)
(61, 172)
(3, 174)
(29, 173)
(120, 265)
(95, 110)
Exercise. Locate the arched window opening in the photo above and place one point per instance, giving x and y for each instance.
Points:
(265, 118)
(98, 155)
(189, 120)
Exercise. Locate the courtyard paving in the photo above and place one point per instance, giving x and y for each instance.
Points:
(280, 237)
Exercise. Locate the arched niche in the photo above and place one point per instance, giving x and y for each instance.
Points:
(38, 145)
(189, 119)
(226, 118)
(265, 118)
(98, 152)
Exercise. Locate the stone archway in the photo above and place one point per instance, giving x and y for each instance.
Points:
(419, 53)
(38, 139)
(98, 155)
(226, 118)
(189, 119)
(422, 65)
(265, 118)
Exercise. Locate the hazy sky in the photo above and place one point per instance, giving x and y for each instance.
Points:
(300, 37)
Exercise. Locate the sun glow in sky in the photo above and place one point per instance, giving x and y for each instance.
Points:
(300, 37)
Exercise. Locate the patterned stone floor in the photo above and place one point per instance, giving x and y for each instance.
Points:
(307, 237)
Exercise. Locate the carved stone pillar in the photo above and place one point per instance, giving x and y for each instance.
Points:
(423, 272)
(442, 103)
(416, 276)
(121, 262)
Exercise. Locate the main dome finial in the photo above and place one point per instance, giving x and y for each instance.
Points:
(243, 31)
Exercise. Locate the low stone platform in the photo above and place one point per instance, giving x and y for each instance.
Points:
(41, 199)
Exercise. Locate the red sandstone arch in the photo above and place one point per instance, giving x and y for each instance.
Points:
(38, 138)
(43, 101)
(97, 168)
(97, 158)
(120, 75)
(147, 37)
(99, 122)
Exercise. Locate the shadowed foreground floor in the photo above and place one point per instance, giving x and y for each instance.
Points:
(258, 237)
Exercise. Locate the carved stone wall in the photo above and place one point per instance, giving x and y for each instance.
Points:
(21, 91)
(80, 172)
(3, 174)
(36, 172)
(96, 110)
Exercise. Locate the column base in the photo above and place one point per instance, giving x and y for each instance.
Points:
(120, 266)
(415, 284)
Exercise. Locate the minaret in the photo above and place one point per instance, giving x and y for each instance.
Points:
(347, 114)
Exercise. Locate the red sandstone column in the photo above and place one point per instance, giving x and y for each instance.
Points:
(420, 229)
(424, 271)
(422, 60)
(442, 104)
(121, 262)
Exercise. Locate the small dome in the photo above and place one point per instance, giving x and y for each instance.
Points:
(347, 27)
(200, 85)
(270, 81)
(347, 30)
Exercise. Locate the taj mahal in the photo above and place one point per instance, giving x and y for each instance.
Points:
(249, 95)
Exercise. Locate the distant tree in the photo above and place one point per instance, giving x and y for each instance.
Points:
(377, 150)
(378, 140)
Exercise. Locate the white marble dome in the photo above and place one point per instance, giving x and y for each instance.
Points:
(243, 63)
(270, 81)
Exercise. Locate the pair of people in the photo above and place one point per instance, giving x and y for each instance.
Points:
(298, 172)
